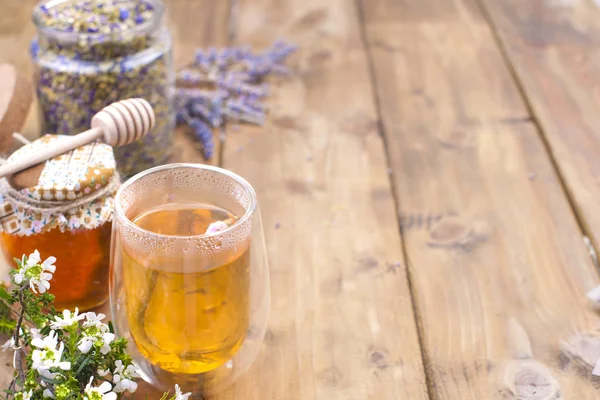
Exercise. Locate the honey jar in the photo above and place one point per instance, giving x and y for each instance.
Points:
(63, 208)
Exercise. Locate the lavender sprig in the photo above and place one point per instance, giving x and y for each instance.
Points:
(204, 134)
(227, 85)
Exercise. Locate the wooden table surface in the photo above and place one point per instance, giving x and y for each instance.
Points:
(427, 177)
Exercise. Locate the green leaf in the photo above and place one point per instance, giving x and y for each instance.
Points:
(7, 326)
(165, 396)
(4, 294)
(85, 361)
(52, 381)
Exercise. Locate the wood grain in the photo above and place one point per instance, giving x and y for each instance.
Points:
(342, 325)
(553, 46)
(496, 258)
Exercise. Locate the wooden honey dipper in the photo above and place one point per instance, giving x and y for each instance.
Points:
(117, 124)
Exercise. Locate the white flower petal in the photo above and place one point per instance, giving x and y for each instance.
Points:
(7, 345)
(32, 285)
(49, 262)
(65, 365)
(85, 346)
(110, 396)
(34, 258)
(48, 394)
(105, 387)
(35, 333)
(108, 337)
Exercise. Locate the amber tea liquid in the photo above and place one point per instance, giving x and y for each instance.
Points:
(184, 318)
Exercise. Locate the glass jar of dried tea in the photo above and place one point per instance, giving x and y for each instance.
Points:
(90, 53)
(63, 208)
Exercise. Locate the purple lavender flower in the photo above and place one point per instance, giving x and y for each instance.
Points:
(192, 77)
(237, 76)
(204, 134)
(181, 117)
(123, 14)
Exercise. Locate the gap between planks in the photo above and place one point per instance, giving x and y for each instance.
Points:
(380, 126)
(587, 235)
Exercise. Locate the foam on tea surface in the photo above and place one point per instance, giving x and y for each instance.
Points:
(177, 187)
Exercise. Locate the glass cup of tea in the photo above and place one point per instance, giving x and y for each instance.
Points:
(189, 284)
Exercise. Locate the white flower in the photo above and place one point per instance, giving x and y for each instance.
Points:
(35, 333)
(49, 342)
(33, 259)
(102, 392)
(119, 368)
(43, 277)
(123, 384)
(24, 395)
(95, 331)
(87, 342)
(68, 319)
(38, 274)
(124, 377)
(20, 276)
(107, 339)
(95, 320)
(48, 394)
(47, 356)
(179, 395)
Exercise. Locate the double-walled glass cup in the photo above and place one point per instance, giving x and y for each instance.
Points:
(189, 275)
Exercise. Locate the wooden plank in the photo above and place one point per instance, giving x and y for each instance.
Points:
(496, 258)
(553, 47)
(341, 325)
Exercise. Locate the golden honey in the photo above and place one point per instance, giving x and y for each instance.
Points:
(83, 255)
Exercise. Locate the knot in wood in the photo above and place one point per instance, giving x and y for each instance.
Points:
(378, 359)
(449, 232)
(531, 381)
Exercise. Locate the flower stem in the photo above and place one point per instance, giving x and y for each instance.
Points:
(16, 345)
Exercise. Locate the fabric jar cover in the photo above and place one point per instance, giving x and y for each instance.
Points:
(74, 190)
